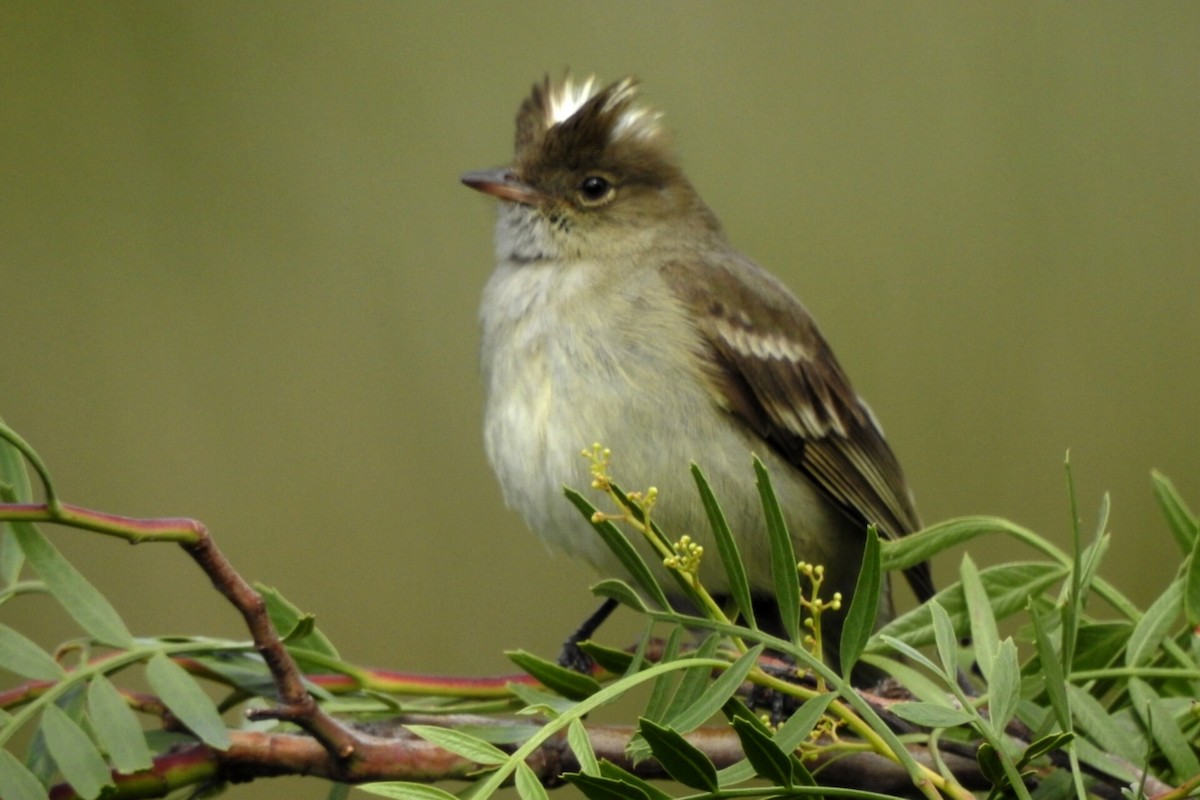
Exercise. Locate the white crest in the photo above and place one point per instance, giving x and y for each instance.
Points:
(567, 97)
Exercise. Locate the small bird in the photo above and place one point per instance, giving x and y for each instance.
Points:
(618, 312)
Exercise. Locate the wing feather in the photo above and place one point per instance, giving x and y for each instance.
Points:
(770, 367)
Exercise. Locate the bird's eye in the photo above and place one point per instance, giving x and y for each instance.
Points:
(595, 189)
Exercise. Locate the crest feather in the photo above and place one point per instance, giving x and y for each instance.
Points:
(562, 103)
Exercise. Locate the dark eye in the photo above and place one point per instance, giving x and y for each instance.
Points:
(595, 189)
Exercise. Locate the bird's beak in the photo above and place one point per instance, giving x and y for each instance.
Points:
(501, 183)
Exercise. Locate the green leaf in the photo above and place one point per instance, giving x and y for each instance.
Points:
(731, 559)
(1099, 726)
(783, 555)
(1004, 689)
(649, 790)
(1101, 644)
(297, 628)
(622, 592)
(1044, 745)
(1180, 519)
(717, 693)
(528, 785)
(864, 606)
(1191, 586)
(404, 790)
(567, 682)
(681, 760)
(931, 715)
(1153, 627)
(187, 701)
(601, 788)
(767, 758)
(630, 559)
(608, 659)
(915, 681)
(17, 782)
(946, 638)
(461, 744)
(910, 550)
(795, 730)
(984, 634)
(542, 700)
(77, 596)
(1052, 672)
(664, 685)
(22, 655)
(991, 766)
(1008, 588)
(1164, 730)
(581, 745)
(14, 488)
(692, 685)
(74, 753)
(117, 727)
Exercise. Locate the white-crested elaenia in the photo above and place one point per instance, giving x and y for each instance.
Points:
(618, 312)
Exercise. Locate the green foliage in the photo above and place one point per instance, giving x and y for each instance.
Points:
(1065, 702)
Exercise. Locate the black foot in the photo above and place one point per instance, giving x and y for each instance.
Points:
(573, 658)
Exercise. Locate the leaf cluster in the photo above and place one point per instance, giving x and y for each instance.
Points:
(1088, 696)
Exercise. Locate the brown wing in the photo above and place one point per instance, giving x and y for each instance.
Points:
(772, 368)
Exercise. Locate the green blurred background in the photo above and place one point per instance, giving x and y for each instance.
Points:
(238, 275)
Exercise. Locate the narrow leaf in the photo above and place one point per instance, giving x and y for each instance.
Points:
(915, 681)
(797, 728)
(187, 701)
(596, 787)
(768, 760)
(77, 596)
(692, 685)
(117, 727)
(403, 790)
(1095, 721)
(647, 789)
(74, 753)
(581, 745)
(17, 782)
(664, 685)
(717, 693)
(1153, 627)
(731, 559)
(608, 659)
(298, 628)
(1044, 745)
(14, 488)
(1008, 588)
(682, 760)
(864, 606)
(947, 640)
(1165, 732)
(783, 555)
(567, 682)
(984, 634)
(1052, 670)
(991, 766)
(528, 785)
(1004, 688)
(630, 559)
(1191, 586)
(910, 550)
(1180, 519)
(622, 592)
(461, 744)
(23, 656)
(931, 715)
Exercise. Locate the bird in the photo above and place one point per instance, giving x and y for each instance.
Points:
(619, 312)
